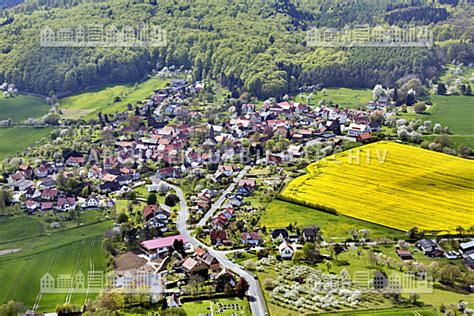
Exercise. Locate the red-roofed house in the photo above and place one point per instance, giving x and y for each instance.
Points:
(248, 184)
(191, 266)
(252, 238)
(364, 137)
(149, 211)
(66, 204)
(49, 194)
(219, 237)
(75, 161)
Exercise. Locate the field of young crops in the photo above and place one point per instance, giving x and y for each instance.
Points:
(22, 107)
(16, 139)
(391, 184)
(36, 253)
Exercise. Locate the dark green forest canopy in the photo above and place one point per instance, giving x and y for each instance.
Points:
(258, 46)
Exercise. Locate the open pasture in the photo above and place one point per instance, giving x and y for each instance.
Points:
(456, 112)
(88, 104)
(345, 97)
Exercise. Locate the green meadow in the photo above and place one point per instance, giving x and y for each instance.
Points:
(22, 107)
(13, 228)
(63, 252)
(456, 112)
(88, 104)
(345, 97)
(280, 214)
(16, 139)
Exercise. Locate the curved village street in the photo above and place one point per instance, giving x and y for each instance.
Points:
(256, 299)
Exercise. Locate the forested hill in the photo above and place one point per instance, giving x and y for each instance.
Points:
(9, 3)
(259, 46)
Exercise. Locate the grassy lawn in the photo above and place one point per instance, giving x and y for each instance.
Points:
(14, 140)
(279, 214)
(143, 193)
(22, 107)
(456, 112)
(87, 104)
(19, 227)
(345, 97)
(204, 307)
(241, 257)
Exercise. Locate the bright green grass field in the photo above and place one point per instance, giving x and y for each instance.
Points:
(16, 139)
(456, 140)
(345, 97)
(88, 104)
(280, 214)
(457, 112)
(19, 227)
(22, 107)
(64, 252)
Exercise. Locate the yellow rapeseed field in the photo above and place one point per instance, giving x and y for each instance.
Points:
(391, 184)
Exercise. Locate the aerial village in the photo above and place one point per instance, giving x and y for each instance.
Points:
(187, 186)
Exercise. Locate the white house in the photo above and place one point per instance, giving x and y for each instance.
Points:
(152, 188)
(357, 129)
(287, 250)
(91, 202)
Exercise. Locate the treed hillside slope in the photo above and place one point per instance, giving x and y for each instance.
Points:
(259, 46)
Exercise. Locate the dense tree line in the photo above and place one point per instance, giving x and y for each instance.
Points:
(423, 14)
(260, 47)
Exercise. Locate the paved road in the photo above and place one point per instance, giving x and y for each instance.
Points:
(217, 204)
(256, 299)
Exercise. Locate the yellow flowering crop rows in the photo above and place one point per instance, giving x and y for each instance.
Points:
(394, 185)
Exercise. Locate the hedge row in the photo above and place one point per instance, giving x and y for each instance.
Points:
(316, 206)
